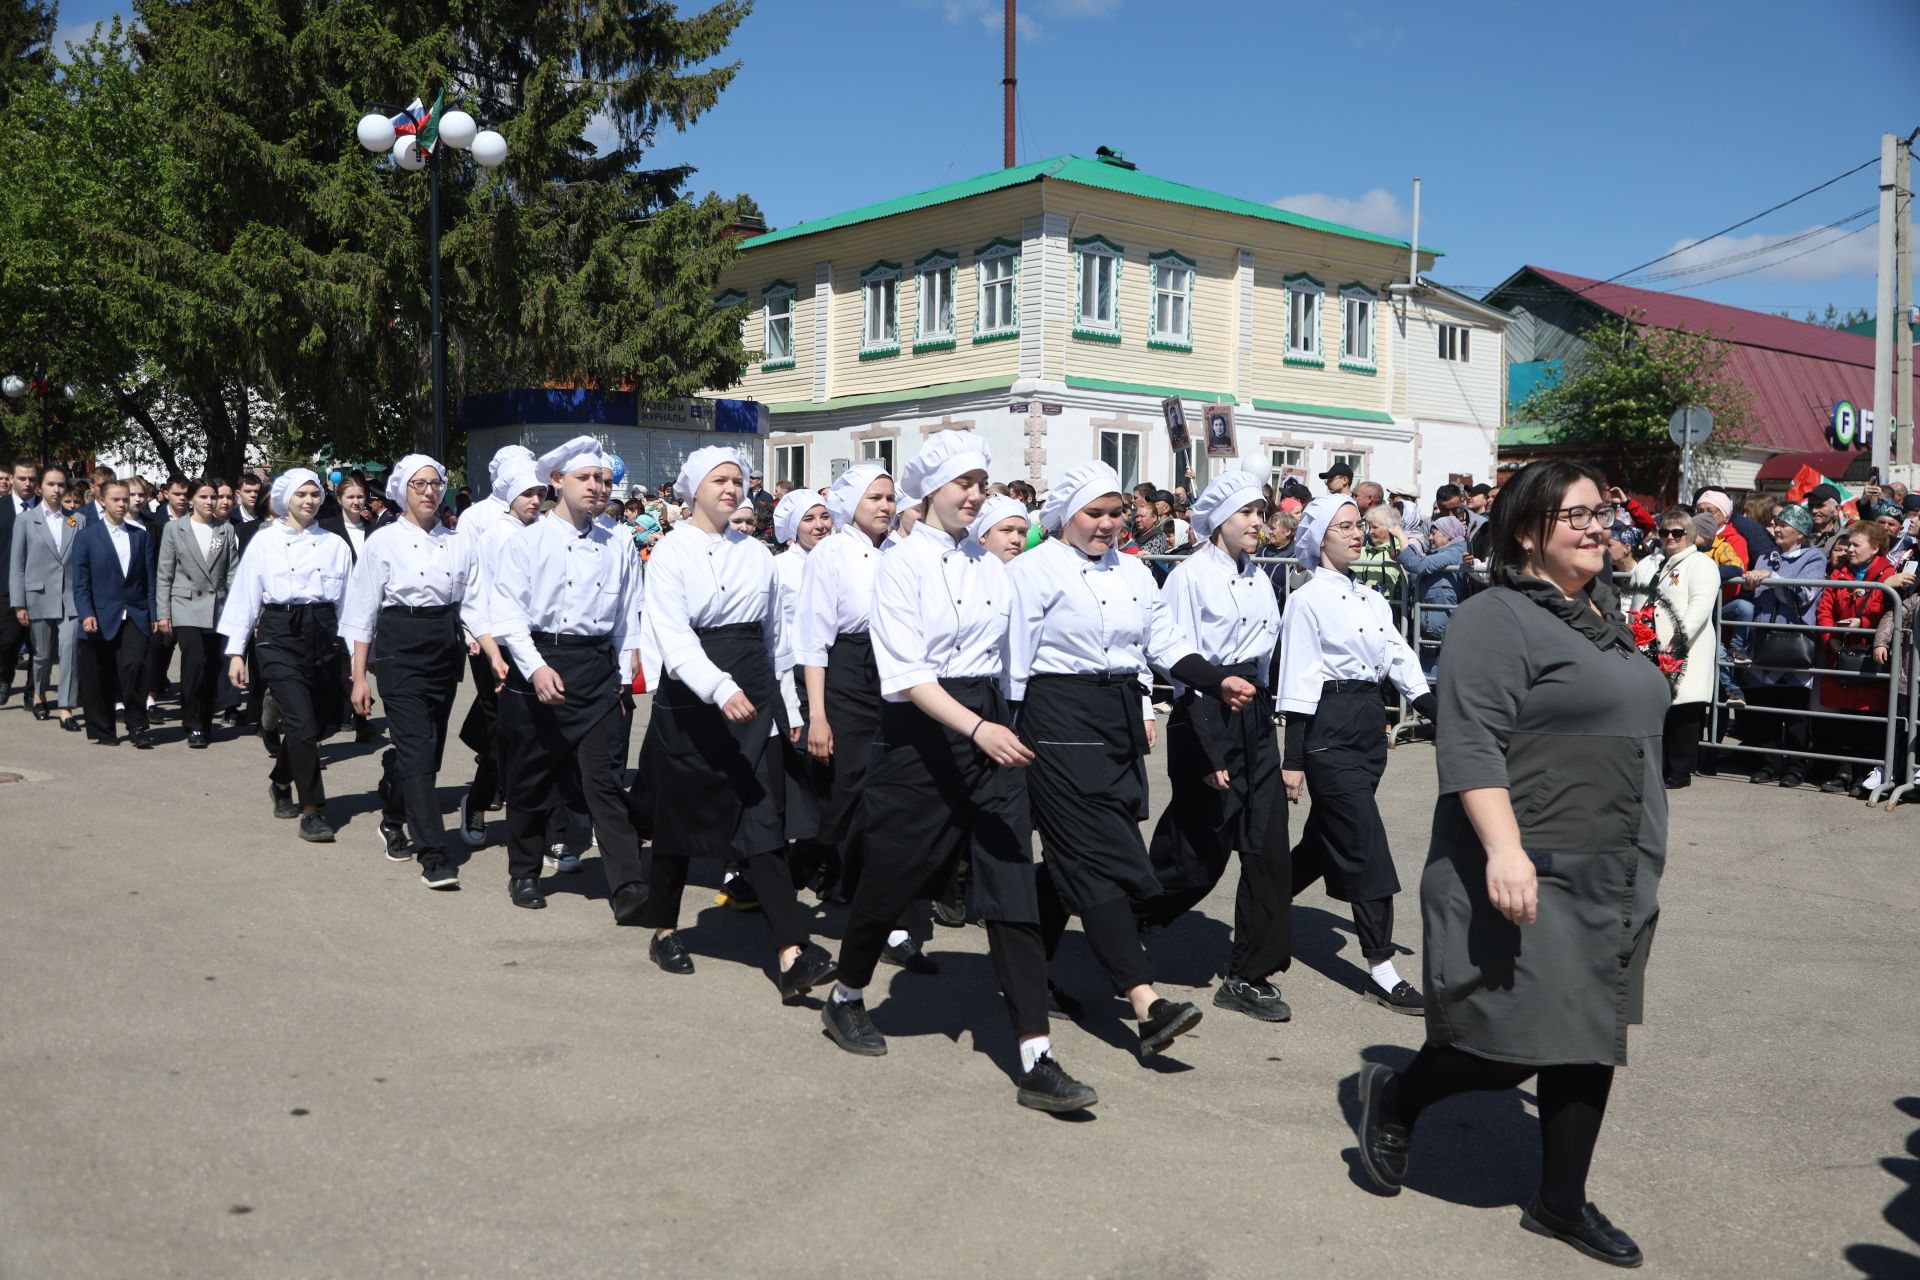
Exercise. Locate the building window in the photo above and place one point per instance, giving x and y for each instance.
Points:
(1096, 312)
(1356, 327)
(1121, 451)
(790, 463)
(933, 291)
(1356, 461)
(880, 310)
(776, 337)
(1283, 462)
(880, 451)
(1303, 320)
(1453, 342)
(997, 268)
(1170, 324)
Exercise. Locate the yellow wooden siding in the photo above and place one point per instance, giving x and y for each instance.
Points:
(750, 274)
(1328, 383)
(1448, 390)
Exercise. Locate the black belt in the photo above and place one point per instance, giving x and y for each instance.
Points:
(299, 604)
(554, 641)
(1090, 677)
(420, 610)
(950, 683)
(1349, 686)
(731, 629)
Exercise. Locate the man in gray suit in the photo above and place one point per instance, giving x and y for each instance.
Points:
(40, 589)
(16, 497)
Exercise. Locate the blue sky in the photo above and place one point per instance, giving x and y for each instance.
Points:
(1588, 138)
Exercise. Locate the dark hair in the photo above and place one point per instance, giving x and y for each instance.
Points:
(253, 477)
(1529, 506)
(29, 463)
(174, 478)
(203, 482)
(1447, 493)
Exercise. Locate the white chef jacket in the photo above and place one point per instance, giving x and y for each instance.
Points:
(487, 537)
(283, 565)
(939, 611)
(556, 578)
(1077, 616)
(403, 564)
(1220, 609)
(836, 594)
(788, 567)
(1337, 629)
(697, 580)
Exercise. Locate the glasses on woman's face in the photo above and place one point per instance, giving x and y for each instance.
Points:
(1344, 526)
(1584, 518)
(1675, 533)
(427, 486)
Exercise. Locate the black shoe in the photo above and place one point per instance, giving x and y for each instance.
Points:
(667, 951)
(1404, 998)
(314, 829)
(70, 723)
(525, 892)
(1049, 1088)
(39, 711)
(363, 731)
(1763, 775)
(141, 741)
(1590, 1233)
(473, 823)
(908, 955)
(847, 1022)
(104, 742)
(951, 915)
(1838, 785)
(196, 740)
(1062, 1005)
(1164, 1021)
(1259, 1000)
(628, 901)
(1790, 779)
(439, 873)
(393, 841)
(812, 967)
(156, 716)
(740, 894)
(6, 695)
(1383, 1144)
(282, 797)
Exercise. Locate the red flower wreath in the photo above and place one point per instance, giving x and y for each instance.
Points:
(1671, 658)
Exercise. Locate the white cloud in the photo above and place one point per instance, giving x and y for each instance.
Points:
(1079, 8)
(73, 33)
(600, 133)
(1379, 210)
(990, 15)
(1807, 255)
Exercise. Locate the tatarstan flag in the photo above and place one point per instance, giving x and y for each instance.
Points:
(422, 122)
(1806, 478)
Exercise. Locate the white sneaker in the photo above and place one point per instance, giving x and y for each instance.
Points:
(1874, 779)
(552, 861)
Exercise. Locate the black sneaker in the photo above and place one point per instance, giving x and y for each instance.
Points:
(812, 967)
(473, 823)
(847, 1023)
(282, 797)
(1839, 784)
(1763, 775)
(438, 873)
(908, 955)
(1590, 1233)
(1048, 1087)
(1383, 1145)
(1062, 1005)
(314, 829)
(1404, 998)
(1163, 1022)
(393, 841)
(1259, 1000)
(950, 914)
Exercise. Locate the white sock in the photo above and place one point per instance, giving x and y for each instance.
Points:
(1386, 975)
(897, 937)
(842, 993)
(1031, 1051)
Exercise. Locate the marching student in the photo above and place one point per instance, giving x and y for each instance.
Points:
(113, 594)
(948, 774)
(1082, 617)
(711, 649)
(195, 566)
(1222, 756)
(1338, 644)
(40, 590)
(406, 590)
(1001, 527)
(564, 604)
(291, 583)
(801, 519)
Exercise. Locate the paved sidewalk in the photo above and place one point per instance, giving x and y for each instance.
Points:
(225, 1053)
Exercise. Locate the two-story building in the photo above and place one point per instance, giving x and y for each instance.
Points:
(1054, 306)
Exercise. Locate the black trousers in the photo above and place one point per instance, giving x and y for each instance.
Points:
(201, 663)
(766, 872)
(1262, 910)
(159, 657)
(113, 671)
(13, 641)
(1372, 917)
(1572, 1098)
(1681, 742)
(421, 657)
(1770, 729)
(297, 652)
(605, 802)
(477, 731)
(1110, 928)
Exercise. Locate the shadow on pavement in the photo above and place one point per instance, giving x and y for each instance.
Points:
(1878, 1262)
(1480, 1150)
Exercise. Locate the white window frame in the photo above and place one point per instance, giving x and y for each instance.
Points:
(880, 301)
(1179, 293)
(996, 252)
(1357, 297)
(779, 291)
(1284, 460)
(1096, 249)
(1454, 343)
(790, 463)
(1122, 442)
(1296, 351)
(1355, 459)
(933, 276)
(880, 449)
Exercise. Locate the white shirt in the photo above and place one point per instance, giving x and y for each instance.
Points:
(203, 535)
(486, 535)
(356, 534)
(56, 519)
(1075, 616)
(939, 610)
(404, 564)
(836, 594)
(1224, 611)
(246, 516)
(696, 580)
(283, 566)
(1337, 629)
(19, 503)
(122, 544)
(787, 569)
(553, 577)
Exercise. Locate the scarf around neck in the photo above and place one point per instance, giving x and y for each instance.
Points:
(1606, 629)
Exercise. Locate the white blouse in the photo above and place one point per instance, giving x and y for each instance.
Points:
(697, 580)
(486, 536)
(555, 578)
(788, 567)
(1224, 611)
(836, 594)
(1072, 615)
(283, 566)
(403, 564)
(939, 611)
(1337, 629)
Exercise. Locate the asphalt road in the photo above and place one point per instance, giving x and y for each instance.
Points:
(227, 1053)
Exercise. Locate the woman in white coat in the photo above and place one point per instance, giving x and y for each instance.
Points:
(1683, 593)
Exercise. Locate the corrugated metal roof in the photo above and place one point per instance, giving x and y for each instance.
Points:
(1086, 173)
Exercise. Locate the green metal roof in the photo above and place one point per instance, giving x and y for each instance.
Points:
(1086, 173)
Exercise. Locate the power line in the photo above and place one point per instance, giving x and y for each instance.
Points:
(1701, 284)
(1749, 254)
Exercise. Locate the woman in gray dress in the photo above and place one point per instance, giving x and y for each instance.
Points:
(1540, 893)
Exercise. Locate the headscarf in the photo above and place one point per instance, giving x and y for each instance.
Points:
(844, 494)
(1083, 482)
(504, 455)
(948, 455)
(646, 530)
(1230, 491)
(1313, 527)
(1719, 502)
(284, 485)
(515, 476)
(404, 471)
(1795, 516)
(995, 509)
(1452, 527)
(581, 451)
(1884, 508)
(701, 463)
(790, 510)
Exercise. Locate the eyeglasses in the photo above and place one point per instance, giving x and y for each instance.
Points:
(1675, 533)
(1345, 526)
(426, 486)
(1583, 518)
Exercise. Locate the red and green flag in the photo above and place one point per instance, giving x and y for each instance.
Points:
(1806, 479)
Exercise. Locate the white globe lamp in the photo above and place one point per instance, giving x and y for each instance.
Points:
(375, 133)
(457, 130)
(406, 154)
(489, 148)
(14, 386)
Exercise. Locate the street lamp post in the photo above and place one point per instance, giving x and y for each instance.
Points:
(15, 388)
(401, 134)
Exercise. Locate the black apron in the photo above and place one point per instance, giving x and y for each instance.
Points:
(421, 654)
(1201, 828)
(297, 646)
(717, 787)
(1088, 784)
(477, 730)
(537, 761)
(853, 710)
(1344, 838)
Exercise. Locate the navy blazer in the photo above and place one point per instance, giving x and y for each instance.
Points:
(101, 591)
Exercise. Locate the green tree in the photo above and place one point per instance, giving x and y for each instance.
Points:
(26, 43)
(1613, 400)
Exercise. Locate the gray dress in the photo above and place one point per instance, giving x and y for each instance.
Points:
(1552, 703)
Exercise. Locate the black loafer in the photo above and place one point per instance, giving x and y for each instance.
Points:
(525, 892)
(1590, 1233)
(812, 967)
(1404, 998)
(39, 711)
(628, 901)
(196, 740)
(1062, 1005)
(910, 957)
(141, 741)
(283, 804)
(847, 1023)
(71, 724)
(1383, 1144)
(1048, 1087)
(667, 951)
(1258, 1000)
(1166, 1020)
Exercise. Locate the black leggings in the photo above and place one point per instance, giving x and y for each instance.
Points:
(766, 872)
(1572, 1098)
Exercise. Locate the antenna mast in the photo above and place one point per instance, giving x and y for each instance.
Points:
(1006, 86)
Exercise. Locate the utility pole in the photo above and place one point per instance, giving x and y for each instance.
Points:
(1006, 94)
(1893, 332)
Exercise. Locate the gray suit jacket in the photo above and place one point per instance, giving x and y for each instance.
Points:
(189, 588)
(40, 577)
